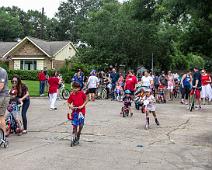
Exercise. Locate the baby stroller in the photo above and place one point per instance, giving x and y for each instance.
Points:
(13, 120)
(3, 141)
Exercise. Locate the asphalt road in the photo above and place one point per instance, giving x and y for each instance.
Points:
(109, 141)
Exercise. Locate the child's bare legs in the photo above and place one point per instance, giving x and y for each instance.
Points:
(74, 131)
(156, 120)
(147, 120)
(130, 110)
(18, 123)
(79, 132)
(93, 96)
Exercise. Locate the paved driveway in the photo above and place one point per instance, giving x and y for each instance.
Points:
(183, 141)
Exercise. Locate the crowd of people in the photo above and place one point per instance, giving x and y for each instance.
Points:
(148, 87)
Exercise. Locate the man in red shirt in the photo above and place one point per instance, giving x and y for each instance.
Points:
(76, 102)
(130, 82)
(42, 79)
(53, 87)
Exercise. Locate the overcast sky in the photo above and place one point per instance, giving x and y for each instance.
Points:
(50, 6)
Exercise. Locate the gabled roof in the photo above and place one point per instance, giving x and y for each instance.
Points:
(50, 48)
(5, 47)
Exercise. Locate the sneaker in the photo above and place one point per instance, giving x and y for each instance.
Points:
(147, 126)
(55, 108)
(24, 132)
(157, 122)
(51, 109)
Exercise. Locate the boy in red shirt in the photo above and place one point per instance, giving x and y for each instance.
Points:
(76, 102)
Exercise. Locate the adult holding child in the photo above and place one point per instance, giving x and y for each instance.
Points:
(23, 95)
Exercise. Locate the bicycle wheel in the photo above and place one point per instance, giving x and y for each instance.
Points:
(191, 103)
(1, 136)
(104, 94)
(65, 94)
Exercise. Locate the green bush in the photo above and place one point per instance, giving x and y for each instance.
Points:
(24, 74)
(71, 67)
(4, 65)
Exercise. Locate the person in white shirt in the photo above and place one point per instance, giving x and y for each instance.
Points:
(147, 80)
(93, 82)
(149, 104)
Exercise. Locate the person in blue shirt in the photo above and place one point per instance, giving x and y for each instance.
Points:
(79, 77)
(114, 78)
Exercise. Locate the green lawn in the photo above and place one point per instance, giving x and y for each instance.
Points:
(34, 87)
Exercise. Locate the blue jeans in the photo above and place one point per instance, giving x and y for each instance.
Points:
(113, 91)
(42, 86)
(25, 107)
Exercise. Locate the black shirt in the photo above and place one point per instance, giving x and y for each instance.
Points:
(197, 76)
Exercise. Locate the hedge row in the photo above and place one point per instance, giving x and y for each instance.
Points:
(24, 74)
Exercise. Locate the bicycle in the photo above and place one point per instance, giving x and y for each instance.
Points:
(192, 97)
(101, 92)
(125, 111)
(63, 92)
(75, 116)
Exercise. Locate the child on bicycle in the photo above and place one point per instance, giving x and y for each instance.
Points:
(149, 102)
(13, 108)
(127, 101)
(76, 103)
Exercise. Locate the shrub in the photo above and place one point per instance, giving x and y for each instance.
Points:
(4, 65)
(24, 74)
(71, 67)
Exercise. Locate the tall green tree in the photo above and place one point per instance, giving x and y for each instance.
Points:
(71, 13)
(10, 28)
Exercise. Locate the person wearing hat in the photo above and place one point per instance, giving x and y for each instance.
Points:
(149, 103)
(79, 77)
(77, 99)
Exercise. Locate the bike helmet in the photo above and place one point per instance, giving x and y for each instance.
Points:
(127, 92)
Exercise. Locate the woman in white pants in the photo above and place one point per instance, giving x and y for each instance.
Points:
(53, 88)
(206, 87)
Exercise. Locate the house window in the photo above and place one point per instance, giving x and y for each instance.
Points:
(28, 65)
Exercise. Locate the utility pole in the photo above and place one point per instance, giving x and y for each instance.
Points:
(152, 63)
(42, 24)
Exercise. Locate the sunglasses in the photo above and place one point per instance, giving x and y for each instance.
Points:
(14, 81)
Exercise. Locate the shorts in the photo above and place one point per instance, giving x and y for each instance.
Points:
(3, 104)
(170, 88)
(78, 119)
(92, 90)
(197, 93)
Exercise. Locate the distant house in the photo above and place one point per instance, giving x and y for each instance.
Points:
(35, 54)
